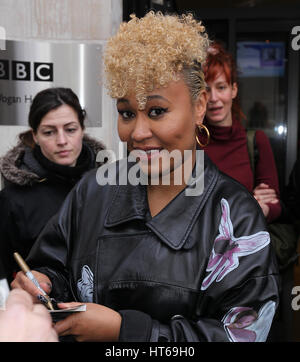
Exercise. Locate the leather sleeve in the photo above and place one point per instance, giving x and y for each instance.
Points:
(51, 249)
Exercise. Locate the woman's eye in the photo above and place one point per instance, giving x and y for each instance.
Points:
(126, 114)
(48, 133)
(156, 112)
(71, 130)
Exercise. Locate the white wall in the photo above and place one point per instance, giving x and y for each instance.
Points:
(60, 19)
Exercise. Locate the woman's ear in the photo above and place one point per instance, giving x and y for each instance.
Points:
(34, 137)
(200, 107)
(234, 90)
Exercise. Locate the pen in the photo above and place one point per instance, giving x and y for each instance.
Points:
(24, 267)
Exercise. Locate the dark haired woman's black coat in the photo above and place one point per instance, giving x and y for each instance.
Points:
(32, 195)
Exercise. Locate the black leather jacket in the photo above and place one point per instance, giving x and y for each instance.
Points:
(200, 270)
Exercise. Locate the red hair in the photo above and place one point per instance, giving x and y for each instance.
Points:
(220, 61)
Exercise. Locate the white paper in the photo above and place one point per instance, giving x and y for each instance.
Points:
(59, 314)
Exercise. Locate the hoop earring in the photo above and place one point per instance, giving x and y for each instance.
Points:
(199, 129)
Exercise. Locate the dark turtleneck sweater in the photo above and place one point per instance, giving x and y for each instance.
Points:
(65, 174)
(228, 150)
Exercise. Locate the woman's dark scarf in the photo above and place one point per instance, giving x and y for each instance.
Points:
(85, 162)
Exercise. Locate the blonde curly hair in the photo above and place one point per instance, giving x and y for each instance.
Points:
(150, 52)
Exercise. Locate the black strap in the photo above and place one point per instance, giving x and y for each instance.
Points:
(252, 150)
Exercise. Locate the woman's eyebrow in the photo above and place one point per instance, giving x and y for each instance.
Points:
(157, 96)
(47, 126)
(122, 100)
(149, 98)
(54, 126)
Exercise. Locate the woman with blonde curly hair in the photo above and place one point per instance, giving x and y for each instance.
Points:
(156, 260)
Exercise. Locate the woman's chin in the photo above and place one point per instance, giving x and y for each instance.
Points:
(65, 162)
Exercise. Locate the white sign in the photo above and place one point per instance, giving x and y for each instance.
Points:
(29, 67)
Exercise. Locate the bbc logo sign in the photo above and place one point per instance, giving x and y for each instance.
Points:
(27, 71)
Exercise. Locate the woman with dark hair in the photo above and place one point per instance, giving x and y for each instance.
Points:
(228, 147)
(41, 169)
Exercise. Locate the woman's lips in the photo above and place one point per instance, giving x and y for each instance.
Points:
(215, 110)
(146, 155)
(63, 153)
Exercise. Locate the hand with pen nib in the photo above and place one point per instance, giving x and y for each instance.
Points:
(97, 323)
(35, 283)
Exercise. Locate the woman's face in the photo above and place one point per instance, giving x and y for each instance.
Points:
(60, 136)
(167, 123)
(220, 96)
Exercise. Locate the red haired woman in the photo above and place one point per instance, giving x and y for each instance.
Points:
(228, 139)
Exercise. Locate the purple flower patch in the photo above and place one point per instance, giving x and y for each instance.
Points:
(243, 324)
(227, 249)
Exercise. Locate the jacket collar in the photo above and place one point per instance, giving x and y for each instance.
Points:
(174, 223)
(20, 167)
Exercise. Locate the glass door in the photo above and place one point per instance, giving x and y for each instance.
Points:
(263, 61)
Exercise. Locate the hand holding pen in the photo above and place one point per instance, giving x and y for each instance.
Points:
(27, 281)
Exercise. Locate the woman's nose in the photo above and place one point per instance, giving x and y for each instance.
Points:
(142, 129)
(212, 95)
(61, 138)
